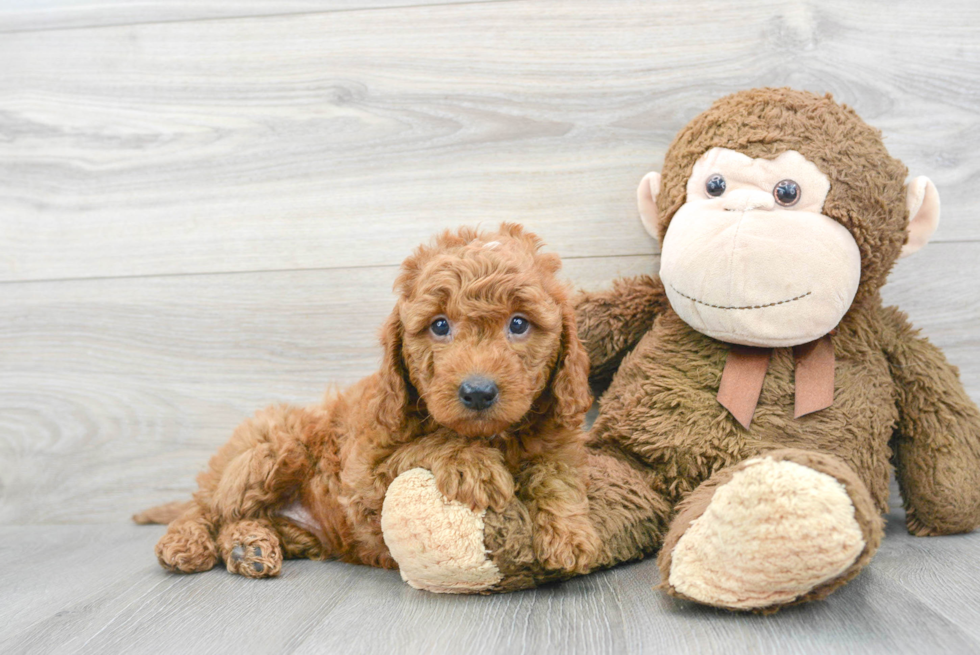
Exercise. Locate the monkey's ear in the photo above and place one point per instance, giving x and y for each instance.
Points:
(922, 199)
(646, 198)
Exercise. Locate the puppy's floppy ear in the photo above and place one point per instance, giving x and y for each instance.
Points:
(571, 382)
(392, 401)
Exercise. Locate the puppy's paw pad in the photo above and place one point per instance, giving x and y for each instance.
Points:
(256, 558)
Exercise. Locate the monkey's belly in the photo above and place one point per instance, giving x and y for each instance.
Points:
(662, 407)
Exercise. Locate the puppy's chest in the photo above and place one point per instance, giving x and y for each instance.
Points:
(517, 453)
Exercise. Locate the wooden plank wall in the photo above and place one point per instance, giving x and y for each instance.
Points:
(203, 205)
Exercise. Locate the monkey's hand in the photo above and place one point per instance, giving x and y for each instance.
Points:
(610, 323)
(937, 440)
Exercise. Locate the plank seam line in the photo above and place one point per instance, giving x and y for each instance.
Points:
(275, 270)
(302, 269)
(250, 16)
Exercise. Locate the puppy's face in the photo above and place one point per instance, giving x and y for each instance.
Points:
(483, 329)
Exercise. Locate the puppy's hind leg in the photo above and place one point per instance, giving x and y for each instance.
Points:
(262, 466)
(258, 470)
(188, 545)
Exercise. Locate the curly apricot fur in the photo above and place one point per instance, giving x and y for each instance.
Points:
(336, 459)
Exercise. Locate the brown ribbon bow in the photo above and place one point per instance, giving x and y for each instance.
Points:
(745, 369)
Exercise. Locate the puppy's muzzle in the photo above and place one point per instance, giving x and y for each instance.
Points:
(477, 393)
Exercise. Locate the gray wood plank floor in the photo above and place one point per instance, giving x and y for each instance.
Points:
(202, 208)
(96, 589)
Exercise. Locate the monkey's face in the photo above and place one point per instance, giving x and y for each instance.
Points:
(751, 259)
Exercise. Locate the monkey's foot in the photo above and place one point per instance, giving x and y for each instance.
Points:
(438, 543)
(250, 548)
(772, 532)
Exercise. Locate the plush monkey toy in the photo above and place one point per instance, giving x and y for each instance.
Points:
(760, 391)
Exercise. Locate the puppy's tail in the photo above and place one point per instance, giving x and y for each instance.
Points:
(163, 514)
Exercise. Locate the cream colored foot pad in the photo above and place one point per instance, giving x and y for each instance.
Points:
(438, 544)
(774, 532)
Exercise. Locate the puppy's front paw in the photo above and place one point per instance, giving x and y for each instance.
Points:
(474, 481)
(565, 543)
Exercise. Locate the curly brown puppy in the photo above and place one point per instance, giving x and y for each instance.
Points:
(483, 382)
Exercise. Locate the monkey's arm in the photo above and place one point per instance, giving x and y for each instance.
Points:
(611, 322)
(937, 440)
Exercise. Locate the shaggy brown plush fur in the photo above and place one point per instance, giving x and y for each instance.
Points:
(336, 460)
(662, 443)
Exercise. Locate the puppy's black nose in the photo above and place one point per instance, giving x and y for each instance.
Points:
(477, 393)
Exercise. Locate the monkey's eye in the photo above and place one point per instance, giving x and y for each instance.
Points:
(787, 193)
(518, 326)
(440, 327)
(715, 186)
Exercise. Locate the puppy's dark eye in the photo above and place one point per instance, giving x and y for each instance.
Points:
(440, 327)
(518, 325)
(787, 193)
(715, 186)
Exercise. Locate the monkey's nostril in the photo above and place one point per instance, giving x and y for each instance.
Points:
(477, 393)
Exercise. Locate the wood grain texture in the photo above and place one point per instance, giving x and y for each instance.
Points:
(342, 139)
(34, 15)
(941, 573)
(115, 392)
(111, 596)
(202, 207)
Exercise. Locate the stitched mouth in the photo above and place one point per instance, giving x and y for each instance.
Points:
(770, 304)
